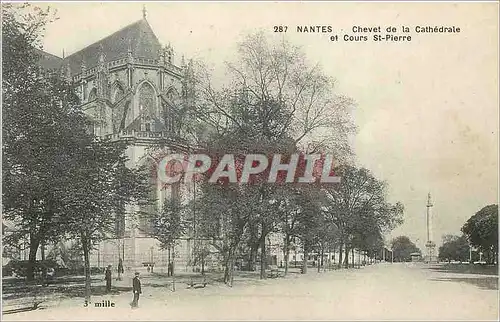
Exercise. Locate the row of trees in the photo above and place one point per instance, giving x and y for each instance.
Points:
(276, 102)
(480, 232)
(59, 181)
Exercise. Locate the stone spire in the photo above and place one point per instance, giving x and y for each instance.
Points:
(144, 12)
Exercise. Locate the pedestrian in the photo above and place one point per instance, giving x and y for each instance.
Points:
(108, 279)
(136, 288)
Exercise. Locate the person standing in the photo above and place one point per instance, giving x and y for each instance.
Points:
(136, 288)
(108, 279)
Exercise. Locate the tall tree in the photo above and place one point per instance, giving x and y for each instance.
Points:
(454, 248)
(402, 247)
(358, 206)
(482, 231)
(98, 185)
(39, 113)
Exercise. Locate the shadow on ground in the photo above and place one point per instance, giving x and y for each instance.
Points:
(466, 269)
(64, 287)
(485, 283)
(482, 276)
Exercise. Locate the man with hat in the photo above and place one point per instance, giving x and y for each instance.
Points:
(136, 288)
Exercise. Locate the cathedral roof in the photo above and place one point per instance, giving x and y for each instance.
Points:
(48, 61)
(138, 36)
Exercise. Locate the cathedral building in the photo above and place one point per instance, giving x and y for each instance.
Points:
(130, 85)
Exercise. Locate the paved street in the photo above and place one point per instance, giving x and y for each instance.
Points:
(382, 291)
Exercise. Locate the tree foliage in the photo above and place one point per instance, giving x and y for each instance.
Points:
(482, 231)
(454, 248)
(402, 247)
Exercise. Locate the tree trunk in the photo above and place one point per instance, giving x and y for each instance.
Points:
(353, 259)
(319, 260)
(119, 278)
(203, 263)
(86, 256)
(304, 261)
(251, 258)
(44, 267)
(323, 257)
(341, 252)
(168, 256)
(263, 259)
(346, 258)
(229, 266)
(34, 244)
(287, 253)
(173, 268)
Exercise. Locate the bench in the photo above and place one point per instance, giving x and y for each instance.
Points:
(23, 305)
(274, 271)
(199, 282)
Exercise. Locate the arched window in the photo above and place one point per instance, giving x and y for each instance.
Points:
(147, 99)
(118, 93)
(169, 109)
(124, 116)
(92, 94)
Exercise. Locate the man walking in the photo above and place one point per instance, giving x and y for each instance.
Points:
(136, 288)
(108, 279)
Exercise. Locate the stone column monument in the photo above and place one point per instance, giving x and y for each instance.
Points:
(431, 256)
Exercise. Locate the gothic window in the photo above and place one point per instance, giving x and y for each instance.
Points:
(124, 116)
(146, 124)
(91, 128)
(169, 109)
(118, 93)
(147, 99)
(92, 94)
(165, 116)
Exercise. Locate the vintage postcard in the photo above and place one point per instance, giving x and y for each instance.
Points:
(249, 161)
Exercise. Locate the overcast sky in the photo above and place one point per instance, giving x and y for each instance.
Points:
(427, 110)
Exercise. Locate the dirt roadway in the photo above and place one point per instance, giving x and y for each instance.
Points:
(378, 292)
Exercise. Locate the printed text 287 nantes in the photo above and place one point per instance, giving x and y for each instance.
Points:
(361, 33)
